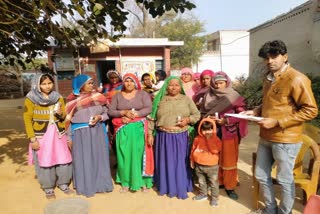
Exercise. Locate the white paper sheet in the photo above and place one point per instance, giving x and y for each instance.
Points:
(246, 117)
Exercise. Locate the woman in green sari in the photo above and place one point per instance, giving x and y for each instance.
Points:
(129, 109)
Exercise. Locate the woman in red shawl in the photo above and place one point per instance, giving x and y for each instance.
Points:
(205, 82)
(129, 109)
(86, 115)
(115, 85)
(218, 101)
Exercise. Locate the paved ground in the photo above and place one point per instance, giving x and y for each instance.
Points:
(20, 192)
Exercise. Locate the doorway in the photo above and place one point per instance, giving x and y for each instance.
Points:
(102, 68)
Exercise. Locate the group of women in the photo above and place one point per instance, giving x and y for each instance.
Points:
(152, 138)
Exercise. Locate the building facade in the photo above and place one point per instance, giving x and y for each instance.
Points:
(299, 29)
(132, 55)
(228, 51)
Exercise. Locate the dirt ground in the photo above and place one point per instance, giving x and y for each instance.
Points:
(21, 193)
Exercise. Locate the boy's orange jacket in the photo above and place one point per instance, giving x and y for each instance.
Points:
(206, 151)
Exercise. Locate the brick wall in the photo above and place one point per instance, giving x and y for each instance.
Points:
(167, 60)
(65, 87)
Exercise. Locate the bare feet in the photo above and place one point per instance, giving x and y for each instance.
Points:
(124, 189)
(145, 190)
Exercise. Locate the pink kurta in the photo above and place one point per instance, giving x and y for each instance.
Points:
(53, 149)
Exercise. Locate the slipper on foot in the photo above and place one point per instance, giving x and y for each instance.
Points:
(50, 194)
(65, 189)
(232, 194)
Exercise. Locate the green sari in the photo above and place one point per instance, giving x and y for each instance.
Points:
(130, 144)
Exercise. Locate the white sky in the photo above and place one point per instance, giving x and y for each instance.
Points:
(240, 14)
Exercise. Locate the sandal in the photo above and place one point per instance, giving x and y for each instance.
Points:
(232, 194)
(65, 189)
(50, 194)
(124, 189)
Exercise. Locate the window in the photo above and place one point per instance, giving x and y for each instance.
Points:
(213, 45)
(159, 65)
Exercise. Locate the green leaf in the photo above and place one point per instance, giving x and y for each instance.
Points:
(80, 10)
(30, 34)
(97, 9)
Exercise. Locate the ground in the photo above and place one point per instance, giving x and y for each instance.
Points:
(21, 193)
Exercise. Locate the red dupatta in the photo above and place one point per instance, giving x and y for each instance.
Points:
(85, 100)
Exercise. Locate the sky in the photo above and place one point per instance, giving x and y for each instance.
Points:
(240, 14)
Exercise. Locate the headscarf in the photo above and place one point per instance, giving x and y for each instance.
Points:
(201, 92)
(187, 71)
(219, 100)
(196, 76)
(36, 96)
(113, 72)
(161, 94)
(78, 82)
(134, 78)
(206, 72)
(207, 119)
(111, 89)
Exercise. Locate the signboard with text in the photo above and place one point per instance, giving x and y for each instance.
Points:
(137, 67)
(64, 62)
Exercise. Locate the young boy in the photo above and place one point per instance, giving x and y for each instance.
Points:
(204, 159)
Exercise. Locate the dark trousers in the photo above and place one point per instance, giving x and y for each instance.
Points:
(208, 178)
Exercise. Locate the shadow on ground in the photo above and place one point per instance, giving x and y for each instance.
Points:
(13, 140)
(14, 146)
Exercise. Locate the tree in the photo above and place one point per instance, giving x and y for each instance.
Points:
(185, 29)
(29, 27)
(141, 24)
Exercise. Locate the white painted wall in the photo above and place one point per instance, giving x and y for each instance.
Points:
(234, 59)
(210, 60)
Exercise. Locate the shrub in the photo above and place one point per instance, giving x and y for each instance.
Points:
(315, 84)
(251, 90)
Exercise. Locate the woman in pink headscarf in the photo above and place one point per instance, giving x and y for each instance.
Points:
(205, 80)
(197, 81)
(187, 81)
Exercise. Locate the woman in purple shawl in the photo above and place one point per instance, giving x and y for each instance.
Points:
(218, 101)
